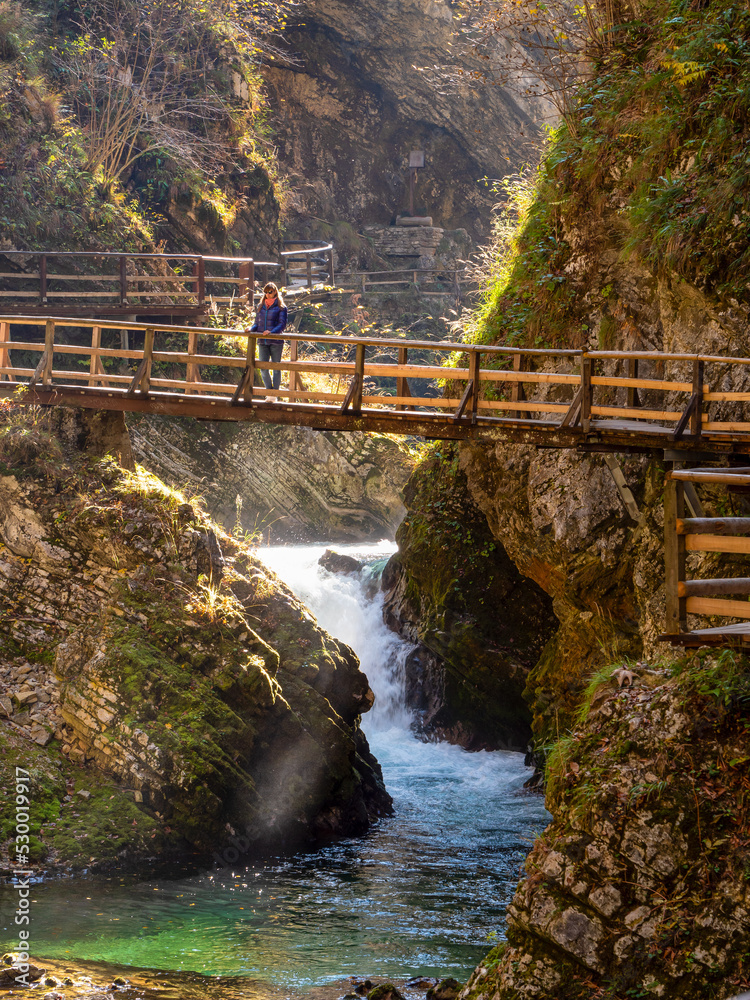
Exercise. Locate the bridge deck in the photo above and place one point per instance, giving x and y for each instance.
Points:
(559, 398)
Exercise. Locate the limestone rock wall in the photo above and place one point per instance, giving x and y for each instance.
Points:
(362, 88)
(477, 624)
(639, 885)
(299, 484)
(184, 671)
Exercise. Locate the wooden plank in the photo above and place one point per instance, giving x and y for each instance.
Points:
(402, 383)
(641, 383)
(587, 393)
(713, 525)
(727, 397)
(518, 392)
(632, 394)
(674, 558)
(573, 412)
(636, 413)
(95, 362)
(474, 366)
(250, 356)
(709, 588)
(711, 476)
(732, 426)
(500, 375)
(38, 371)
(468, 392)
(81, 277)
(359, 378)
(193, 371)
(529, 406)
(716, 543)
(713, 606)
(4, 349)
(84, 295)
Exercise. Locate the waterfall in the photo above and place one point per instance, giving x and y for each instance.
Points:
(346, 607)
(417, 896)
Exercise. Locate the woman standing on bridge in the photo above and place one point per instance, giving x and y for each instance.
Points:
(270, 319)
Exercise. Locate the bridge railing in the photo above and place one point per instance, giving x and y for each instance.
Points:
(666, 395)
(684, 534)
(125, 284)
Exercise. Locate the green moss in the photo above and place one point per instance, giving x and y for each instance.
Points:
(65, 827)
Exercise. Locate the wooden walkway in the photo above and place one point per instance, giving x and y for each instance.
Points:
(598, 401)
(148, 284)
(679, 406)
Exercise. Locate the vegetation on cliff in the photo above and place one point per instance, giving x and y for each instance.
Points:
(193, 687)
(127, 124)
(641, 884)
(651, 162)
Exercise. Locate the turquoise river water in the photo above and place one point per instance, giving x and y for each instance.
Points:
(422, 894)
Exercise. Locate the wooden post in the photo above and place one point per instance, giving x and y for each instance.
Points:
(5, 350)
(359, 375)
(633, 397)
(517, 391)
(284, 272)
(587, 391)
(330, 267)
(244, 284)
(250, 359)
(674, 557)
(294, 379)
(148, 350)
(308, 263)
(123, 280)
(193, 372)
(96, 368)
(49, 349)
(199, 285)
(696, 424)
(474, 358)
(43, 280)
(402, 382)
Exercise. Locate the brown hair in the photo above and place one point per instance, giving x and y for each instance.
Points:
(270, 287)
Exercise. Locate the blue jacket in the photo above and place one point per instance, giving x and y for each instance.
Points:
(276, 319)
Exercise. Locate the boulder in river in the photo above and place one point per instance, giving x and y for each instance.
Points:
(337, 562)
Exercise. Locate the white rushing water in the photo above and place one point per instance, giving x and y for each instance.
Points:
(422, 893)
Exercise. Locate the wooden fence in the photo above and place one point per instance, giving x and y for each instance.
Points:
(644, 398)
(683, 535)
(120, 284)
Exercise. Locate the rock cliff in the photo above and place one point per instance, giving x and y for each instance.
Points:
(361, 89)
(639, 886)
(625, 244)
(478, 626)
(153, 669)
(292, 482)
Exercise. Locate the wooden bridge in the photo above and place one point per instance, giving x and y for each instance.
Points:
(682, 407)
(133, 285)
(150, 284)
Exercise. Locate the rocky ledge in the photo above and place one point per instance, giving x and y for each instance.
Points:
(640, 886)
(163, 689)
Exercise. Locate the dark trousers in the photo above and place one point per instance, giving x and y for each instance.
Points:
(271, 352)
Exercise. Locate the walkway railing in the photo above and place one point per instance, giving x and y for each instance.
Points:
(683, 535)
(612, 399)
(130, 284)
